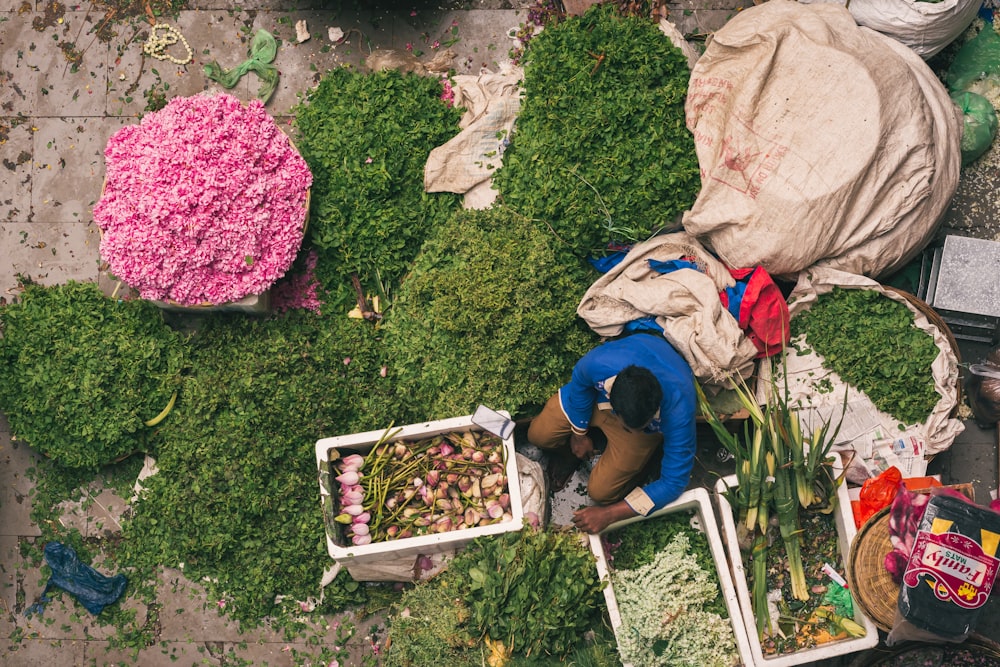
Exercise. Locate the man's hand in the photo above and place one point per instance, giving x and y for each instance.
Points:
(596, 518)
(581, 446)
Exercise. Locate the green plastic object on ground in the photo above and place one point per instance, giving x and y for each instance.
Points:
(980, 124)
(263, 50)
(977, 59)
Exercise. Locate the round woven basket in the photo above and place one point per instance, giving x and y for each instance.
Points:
(871, 585)
(935, 319)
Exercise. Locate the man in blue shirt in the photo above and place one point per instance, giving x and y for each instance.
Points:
(640, 393)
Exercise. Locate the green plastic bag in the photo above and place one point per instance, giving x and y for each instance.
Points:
(980, 124)
(978, 59)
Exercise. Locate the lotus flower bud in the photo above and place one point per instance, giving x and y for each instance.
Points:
(352, 497)
(467, 453)
(400, 450)
(453, 493)
(533, 520)
(495, 457)
(476, 490)
(349, 478)
(507, 516)
(478, 457)
(364, 517)
(472, 517)
(409, 512)
(446, 449)
(421, 522)
(343, 518)
(442, 525)
(433, 477)
(403, 534)
(443, 505)
(352, 463)
(505, 500)
(417, 482)
(391, 503)
(361, 540)
(392, 531)
(433, 451)
(354, 510)
(494, 510)
(452, 478)
(360, 528)
(489, 481)
(464, 484)
(496, 469)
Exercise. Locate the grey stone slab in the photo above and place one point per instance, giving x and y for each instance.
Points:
(968, 280)
(18, 74)
(478, 39)
(16, 148)
(10, 560)
(70, 66)
(97, 514)
(164, 653)
(15, 488)
(698, 23)
(68, 167)
(49, 254)
(187, 614)
(41, 653)
(135, 78)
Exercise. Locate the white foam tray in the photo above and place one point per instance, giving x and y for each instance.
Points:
(422, 545)
(846, 532)
(699, 501)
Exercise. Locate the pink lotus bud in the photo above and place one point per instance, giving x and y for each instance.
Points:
(352, 497)
(467, 453)
(446, 449)
(352, 463)
(442, 525)
(421, 521)
(433, 451)
(443, 505)
(405, 533)
(349, 478)
(361, 540)
(464, 484)
(472, 517)
(400, 450)
(452, 477)
(410, 512)
(391, 503)
(360, 528)
(496, 469)
(507, 516)
(392, 531)
(433, 477)
(494, 510)
(383, 371)
(478, 457)
(417, 482)
(354, 510)
(495, 457)
(533, 520)
(505, 500)
(364, 517)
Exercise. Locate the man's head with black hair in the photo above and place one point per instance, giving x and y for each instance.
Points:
(636, 396)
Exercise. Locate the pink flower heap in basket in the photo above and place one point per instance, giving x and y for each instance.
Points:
(205, 201)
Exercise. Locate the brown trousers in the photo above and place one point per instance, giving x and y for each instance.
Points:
(623, 463)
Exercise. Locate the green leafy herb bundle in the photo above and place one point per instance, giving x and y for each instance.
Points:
(235, 497)
(366, 138)
(80, 373)
(871, 341)
(600, 150)
(477, 321)
(529, 593)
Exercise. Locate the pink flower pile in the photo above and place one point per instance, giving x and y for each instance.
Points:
(204, 202)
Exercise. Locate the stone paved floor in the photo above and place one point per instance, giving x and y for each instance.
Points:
(55, 118)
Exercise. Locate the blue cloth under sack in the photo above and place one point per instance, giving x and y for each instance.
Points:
(94, 590)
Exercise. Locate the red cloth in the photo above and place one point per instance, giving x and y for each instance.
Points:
(763, 311)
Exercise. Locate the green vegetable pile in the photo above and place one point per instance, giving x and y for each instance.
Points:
(479, 322)
(82, 374)
(528, 593)
(236, 499)
(600, 150)
(871, 341)
(366, 138)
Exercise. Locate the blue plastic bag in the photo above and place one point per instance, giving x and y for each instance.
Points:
(94, 590)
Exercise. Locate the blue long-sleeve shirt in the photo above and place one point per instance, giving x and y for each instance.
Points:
(676, 416)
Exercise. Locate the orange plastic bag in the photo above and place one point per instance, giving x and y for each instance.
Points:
(878, 492)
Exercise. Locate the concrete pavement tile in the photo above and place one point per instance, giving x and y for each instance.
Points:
(50, 254)
(15, 488)
(301, 66)
(700, 22)
(42, 653)
(18, 72)
(97, 514)
(165, 653)
(478, 39)
(187, 613)
(10, 559)
(71, 65)
(134, 78)
(15, 178)
(68, 167)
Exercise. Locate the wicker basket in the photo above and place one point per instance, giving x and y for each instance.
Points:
(871, 584)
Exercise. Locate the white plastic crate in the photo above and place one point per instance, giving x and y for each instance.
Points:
(846, 531)
(422, 545)
(699, 501)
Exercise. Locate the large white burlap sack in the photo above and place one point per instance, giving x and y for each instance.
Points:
(819, 141)
(926, 27)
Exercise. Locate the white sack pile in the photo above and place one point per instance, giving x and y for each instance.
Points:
(819, 141)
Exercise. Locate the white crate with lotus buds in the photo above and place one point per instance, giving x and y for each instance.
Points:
(461, 482)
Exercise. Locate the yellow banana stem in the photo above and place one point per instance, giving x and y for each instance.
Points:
(163, 414)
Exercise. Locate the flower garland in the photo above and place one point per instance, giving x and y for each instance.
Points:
(204, 201)
(662, 622)
(157, 44)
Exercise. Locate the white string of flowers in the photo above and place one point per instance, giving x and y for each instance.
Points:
(157, 44)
